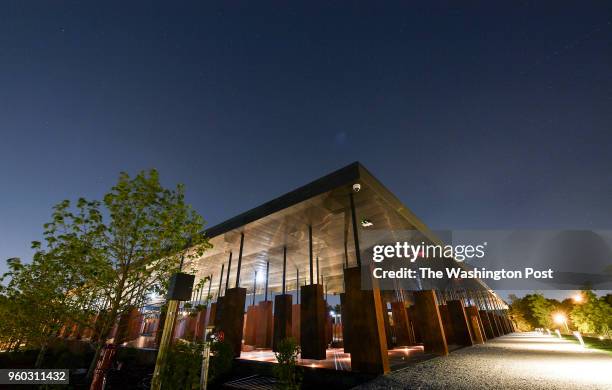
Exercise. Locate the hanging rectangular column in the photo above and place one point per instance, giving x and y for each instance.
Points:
(231, 320)
(475, 324)
(461, 327)
(486, 324)
(447, 324)
(387, 322)
(218, 312)
(263, 329)
(282, 319)
(430, 323)
(251, 325)
(400, 319)
(346, 336)
(312, 322)
(414, 326)
(365, 325)
(201, 323)
(212, 314)
(502, 324)
(494, 325)
(295, 322)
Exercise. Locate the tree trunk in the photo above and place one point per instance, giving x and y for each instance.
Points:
(103, 336)
(41, 354)
(94, 361)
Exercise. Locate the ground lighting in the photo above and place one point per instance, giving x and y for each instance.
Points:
(561, 319)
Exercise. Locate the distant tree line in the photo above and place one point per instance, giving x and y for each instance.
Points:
(586, 313)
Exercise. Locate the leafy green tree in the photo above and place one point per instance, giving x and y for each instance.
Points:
(51, 291)
(101, 257)
(518, 310)
(593, 316)
(533, 311)
(148, 232)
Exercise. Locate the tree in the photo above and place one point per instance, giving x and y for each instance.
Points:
(102, 257)
(149, 232)
(518, 311)
(533, 311)
(593, 316)
(51, 291)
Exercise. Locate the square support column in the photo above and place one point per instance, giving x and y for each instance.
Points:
(232, 318)
(250, 325)
(402, 328)
(365, 327)
(295, 322)
(388, 329)
(282, 319)
(494, 324)
(414, 326)
(486, 324)
(475, 324)
(219, 312)
(312, 322)
(461, 327)
(502, 324)
(346, 330)
(211, 314)
(507, 323)
(263, 328)
(430, 323)
(447, 324)
(201, 323)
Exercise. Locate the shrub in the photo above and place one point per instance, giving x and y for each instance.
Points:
(287, 372)
(183, 365)
(221, 361)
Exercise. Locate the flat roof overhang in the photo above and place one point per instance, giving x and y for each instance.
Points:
(283, 222)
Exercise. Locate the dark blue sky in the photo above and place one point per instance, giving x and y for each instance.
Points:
(476, 115)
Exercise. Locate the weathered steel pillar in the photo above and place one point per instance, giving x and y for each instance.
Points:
(447, 324)
(461, 327)
(312, 322)
(475, 323)
(282, 310)
(312, 315)
(496, 331)
(364, 325)
(263, 329)
(265, 322)
(429, 321)
(402, 327)
(232, 318)
(232, 314)
(486, 324)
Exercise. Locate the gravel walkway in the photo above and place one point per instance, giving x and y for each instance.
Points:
(515, 361)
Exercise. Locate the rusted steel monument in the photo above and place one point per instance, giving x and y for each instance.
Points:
(301, 250)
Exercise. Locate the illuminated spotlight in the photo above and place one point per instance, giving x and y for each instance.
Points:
(332, 313)
(578, 298)
(559, 318)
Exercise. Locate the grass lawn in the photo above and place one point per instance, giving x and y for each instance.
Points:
(593, 342)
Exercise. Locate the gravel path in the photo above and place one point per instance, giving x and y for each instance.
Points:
(515, 361)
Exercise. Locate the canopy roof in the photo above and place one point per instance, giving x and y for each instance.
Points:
(283, 222)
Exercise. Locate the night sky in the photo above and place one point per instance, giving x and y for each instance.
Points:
(475, 114)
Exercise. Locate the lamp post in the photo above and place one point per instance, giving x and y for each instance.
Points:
(561, 319)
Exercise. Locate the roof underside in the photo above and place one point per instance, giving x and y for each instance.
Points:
(283, 222)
